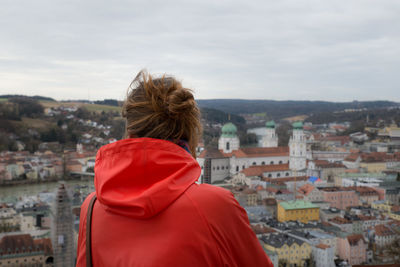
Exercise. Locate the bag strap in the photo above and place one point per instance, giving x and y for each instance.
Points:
(89, 232)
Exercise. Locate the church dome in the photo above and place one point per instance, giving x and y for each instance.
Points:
(270, 124)
(229, 130)
(298, 125)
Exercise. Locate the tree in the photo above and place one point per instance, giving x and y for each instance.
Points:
(28, 107)
(83, 113)
(393, 250)
(283, 132)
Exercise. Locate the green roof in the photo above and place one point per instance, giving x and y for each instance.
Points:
(298, 204)
(298, 125)
(229, 130)
(270, 124)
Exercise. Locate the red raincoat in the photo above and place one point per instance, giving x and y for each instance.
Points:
(150, 212)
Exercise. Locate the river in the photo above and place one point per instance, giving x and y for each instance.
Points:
(13, 193)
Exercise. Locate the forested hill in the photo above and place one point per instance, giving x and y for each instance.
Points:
(281, 109)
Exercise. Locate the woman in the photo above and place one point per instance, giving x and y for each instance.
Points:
(150, 211)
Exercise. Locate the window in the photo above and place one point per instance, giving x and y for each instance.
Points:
(217, 168)
(237, 168)
(269, 175)
(263, 163)
(254, 163)
(278, 175)
(227, 146)
(243, 167)
(280, 162)
(222, 168)
(271, 163)
(287, 174)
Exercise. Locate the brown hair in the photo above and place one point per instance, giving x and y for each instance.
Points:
(161, 108)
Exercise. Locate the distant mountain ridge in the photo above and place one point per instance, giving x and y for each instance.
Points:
(274, 109)
(281, 109)
(37, 97)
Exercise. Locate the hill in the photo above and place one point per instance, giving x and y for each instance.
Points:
(281, 109)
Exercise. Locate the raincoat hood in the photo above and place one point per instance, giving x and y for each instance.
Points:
(140, 177)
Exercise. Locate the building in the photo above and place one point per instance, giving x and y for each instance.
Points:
(246, 197)
(311, 193)
(323, 255)
(340, 197)
(289, 249)
(324, 169)
(9, 220)
(23, 250)
(366, 195)
(298, 210)
(298, 148)
(214, 166)
(233, 159)
(270, 139)
(353, 249)
(384, 236)
(63, 240)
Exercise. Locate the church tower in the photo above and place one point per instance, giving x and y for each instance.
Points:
(270, 139)
(297, 148)
(228, 140)
(63, 239)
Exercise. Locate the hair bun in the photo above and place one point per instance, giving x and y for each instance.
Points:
(161, 108)
(180, 101)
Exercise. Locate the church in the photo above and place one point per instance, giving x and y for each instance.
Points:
(269, 159)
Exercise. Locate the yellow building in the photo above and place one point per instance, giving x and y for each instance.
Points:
(289, 249)
(373, 166)
(382, 205)
(298, 210)
(395, 215)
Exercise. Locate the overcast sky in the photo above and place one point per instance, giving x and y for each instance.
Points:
(338, 50)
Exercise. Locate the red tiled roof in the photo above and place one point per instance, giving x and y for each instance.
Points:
(379, 157)
(366, 218)
(285, 179)
(322, 246)
(363, 190)
(382, 230)
(327, 164)
(395, 208)
(211, 153)
(45, 245)
(258, 229)
(260, 169)
(354, 239)
(339, 220)
(352, 157)
(255, 152)
(12, 244)
(306, 189)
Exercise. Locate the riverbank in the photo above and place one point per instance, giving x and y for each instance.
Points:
(10, 183)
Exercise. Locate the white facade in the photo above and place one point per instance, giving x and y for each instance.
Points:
(270, 139)
(228, 144)
(323, 256)
(298, 150)
(219, 169)
(315, 196)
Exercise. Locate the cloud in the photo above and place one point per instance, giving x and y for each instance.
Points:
(304, 49)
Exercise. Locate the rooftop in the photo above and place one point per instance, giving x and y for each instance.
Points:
(260, 169)
(298, 204)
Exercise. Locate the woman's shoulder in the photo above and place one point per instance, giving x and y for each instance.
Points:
(210, 198)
